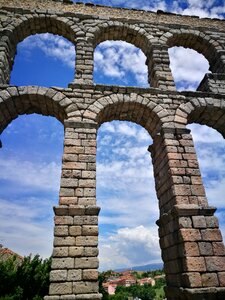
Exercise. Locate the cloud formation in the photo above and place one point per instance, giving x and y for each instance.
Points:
(123, 248)
(113, 60)
(53, 46)
(27, 225)
(188, 67)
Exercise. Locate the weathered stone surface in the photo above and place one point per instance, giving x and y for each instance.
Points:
(90, 251)
(76, 251)
(211, 235)
(86, 263)
(74, 275)
(60, 288)
(60, 252)
(192, 279)
(85, 287)
(215, 263)
(90, 230)
(58, 275)
(209, 279)
(194, 264)
(87, 241)
(90, 275)
(64, 241)
(190, 235)
(199, 221)
(75, 230)
(63, 263)
(205, 248)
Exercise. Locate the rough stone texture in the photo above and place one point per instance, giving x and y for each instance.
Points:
(190, 239)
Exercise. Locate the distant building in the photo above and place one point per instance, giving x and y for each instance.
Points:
(125, 278)
(147, 280)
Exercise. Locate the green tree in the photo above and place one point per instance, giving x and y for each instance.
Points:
(102, 278)
(144, 292)
(28, 280)
(8, 270)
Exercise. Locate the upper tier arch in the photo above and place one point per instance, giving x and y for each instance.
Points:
(21, 28)
(119, 31)
(198, 41)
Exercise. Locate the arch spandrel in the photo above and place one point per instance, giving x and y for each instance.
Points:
(30, 25)
(135, 108)
(210, 112)
(198, 41)
(121, 31)
(27, 100)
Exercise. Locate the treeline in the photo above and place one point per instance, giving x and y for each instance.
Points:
(27, 279)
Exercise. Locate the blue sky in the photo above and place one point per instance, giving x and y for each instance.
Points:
(30, 159)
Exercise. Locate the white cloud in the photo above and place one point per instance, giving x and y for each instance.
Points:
(188, 67)
(27, 225)
(123, 248)
(126, 195)
(203, 9)
(30, 174)
(113, 59)
(205, 134)
(51, 45)
(127, 129)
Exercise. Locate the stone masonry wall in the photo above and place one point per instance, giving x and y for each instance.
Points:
(190, 239)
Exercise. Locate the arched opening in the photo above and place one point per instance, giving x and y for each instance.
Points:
(120, 63)
(117, 56)
(30, 173)
(44, 60)
(129, 207)
(210, 148)
(188, 67)
(29, 27)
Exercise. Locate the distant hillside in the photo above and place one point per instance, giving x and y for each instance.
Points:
(150, 267)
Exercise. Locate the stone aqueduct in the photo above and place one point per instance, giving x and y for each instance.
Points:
(190, 239)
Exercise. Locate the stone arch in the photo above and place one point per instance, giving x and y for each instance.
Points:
(135, 108)
(27, 100)
(29, 25)
(205, 111)
(119, 31)
(115, 30)
(198, 41)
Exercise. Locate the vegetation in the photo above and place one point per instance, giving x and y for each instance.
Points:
(27, 280)
(144, 292)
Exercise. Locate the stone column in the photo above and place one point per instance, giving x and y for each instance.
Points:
(84, 63)
(6, 59)
(74, 273)
(190, 239)
(158, 62)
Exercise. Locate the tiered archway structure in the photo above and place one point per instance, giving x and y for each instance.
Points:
(190, 239)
